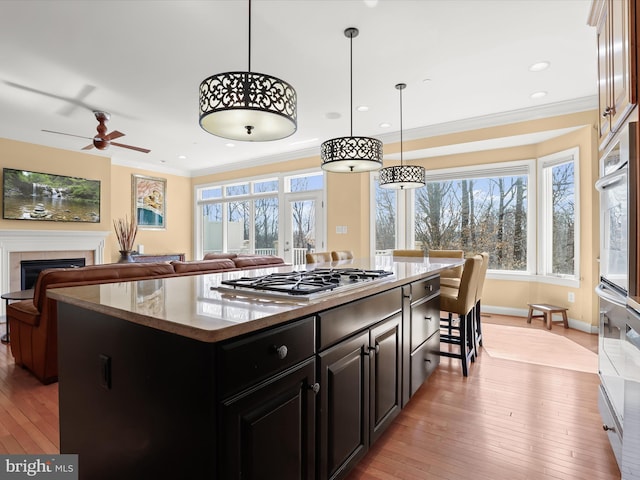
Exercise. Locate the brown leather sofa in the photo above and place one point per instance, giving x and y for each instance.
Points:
(34, 323)
(244, 261)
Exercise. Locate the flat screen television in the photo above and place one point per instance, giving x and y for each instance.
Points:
(40, 197)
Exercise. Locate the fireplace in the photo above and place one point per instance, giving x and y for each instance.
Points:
(19, 245)
(30, 269)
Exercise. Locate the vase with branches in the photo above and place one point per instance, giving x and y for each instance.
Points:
(126, 231)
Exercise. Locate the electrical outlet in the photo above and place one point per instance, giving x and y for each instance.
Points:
(571, 297)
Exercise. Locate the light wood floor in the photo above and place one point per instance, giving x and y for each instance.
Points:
(508, 420)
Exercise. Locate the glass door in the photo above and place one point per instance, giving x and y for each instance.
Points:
(304, 226)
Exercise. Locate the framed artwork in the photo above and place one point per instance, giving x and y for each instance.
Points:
(149, 202)
(41, 197)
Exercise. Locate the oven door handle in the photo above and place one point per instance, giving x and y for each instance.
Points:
(612, 179)
(603, 293)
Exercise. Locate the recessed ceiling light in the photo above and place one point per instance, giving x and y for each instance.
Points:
(385, 125)
(362, 108)
(426, 80)
(371, 3)
(163, 161)
(539, 66)
(230, 145)
(333, 115)
(182, 157)
(538, 95)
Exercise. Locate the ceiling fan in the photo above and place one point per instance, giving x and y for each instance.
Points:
(103, 139)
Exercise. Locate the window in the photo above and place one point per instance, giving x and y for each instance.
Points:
(386, 225)
(558, 215)
(248, 217)
(481, 209)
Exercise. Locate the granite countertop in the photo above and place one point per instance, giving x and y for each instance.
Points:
(193, 307)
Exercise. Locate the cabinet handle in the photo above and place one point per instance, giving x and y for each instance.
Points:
(607, 428)
(607, 111)
(428, 360)
(429, 287)
(315, 388)
(281, 351)
(406, 296)
(428, 318)
(375, 349)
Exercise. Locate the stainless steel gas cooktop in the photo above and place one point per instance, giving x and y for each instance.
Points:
(302, 285)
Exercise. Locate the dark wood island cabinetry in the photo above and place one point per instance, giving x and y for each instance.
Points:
(223, 387)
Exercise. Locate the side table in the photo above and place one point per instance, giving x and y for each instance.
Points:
(18, 295)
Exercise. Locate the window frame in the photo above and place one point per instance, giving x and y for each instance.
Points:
(545, 229)
(280, 194)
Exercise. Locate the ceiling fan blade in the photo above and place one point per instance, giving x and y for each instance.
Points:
(139, 149)
(69, 134)
(113, 135)
(88, 147)
(72, 101)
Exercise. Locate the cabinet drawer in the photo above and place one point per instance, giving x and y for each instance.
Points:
(425, 320)
(342, 322)
(255, 357)
(609, 420)
(424, 361)
(425, 288)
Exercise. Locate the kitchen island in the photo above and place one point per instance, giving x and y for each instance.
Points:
(174, 378)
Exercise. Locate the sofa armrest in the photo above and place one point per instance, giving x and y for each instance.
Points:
(256, 261)
(24, 311)
(203, 266)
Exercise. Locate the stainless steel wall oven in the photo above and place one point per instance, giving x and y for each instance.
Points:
(619, 325)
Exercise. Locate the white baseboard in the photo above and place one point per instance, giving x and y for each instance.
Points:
(524, 312)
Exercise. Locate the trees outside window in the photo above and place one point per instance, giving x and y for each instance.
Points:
(558, 214)
(246, 217)
(476, 215)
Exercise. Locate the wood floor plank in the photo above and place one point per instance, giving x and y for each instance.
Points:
(508, 420)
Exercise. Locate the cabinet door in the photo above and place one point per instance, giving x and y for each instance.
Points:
(268, 432)
(604, 75)
(622, 95)
(344, 406)
(385, 389)
(616, 66)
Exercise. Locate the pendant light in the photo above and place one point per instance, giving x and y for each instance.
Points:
(402, 176)
(248, 106)
(351, 154)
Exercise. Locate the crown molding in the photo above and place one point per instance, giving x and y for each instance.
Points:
(475, 123)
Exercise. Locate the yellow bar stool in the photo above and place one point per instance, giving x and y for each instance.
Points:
(318, 257)
(461, 302)
(451, 277)
(341, 255)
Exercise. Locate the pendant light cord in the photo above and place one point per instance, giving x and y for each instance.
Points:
(351, 81)
(401, 161)
(249, 70)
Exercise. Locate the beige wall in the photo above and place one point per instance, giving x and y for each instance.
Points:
(60, 162)
(347, 200)
(115, 197)
(348, 203)
(177, 237)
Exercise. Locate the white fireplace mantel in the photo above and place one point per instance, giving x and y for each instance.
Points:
(47, 241)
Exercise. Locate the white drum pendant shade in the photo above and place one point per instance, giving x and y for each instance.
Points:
(351, 154)
(402, 176)
(248, 106)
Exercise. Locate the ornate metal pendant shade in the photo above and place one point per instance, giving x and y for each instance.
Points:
(248, 106)
(351, 154)
(402, 176)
